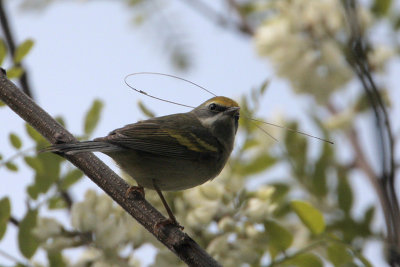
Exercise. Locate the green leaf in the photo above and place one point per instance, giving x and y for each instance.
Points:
(3, 51)
(37, 137)
(2, 104)
(250, 143)
(364, 261)
(5, 209)
(381, 7)
(318, 178)
(22, 50)
(15, 140)
(257, 165)
(310, 216)
(369, 215)
(55, 203)
(282, 210)
(51, 174)
(47, 168)
(15, 72)
(338, 254)
(26, 240)
(35, 164)
(55, 259)
(297, 151)
(5, 213)
(60, 120)
(305, 260)
(280, 191)
(279, 239)
(362, 103)
(396, 23)
(264, 86)
(146, 111)
(344, 193)
(11, 166)
(93, 116)
(33, 191)
(70, 178)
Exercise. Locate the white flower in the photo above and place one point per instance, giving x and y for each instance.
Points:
(378, 57)
(226, 224)
(59, 243)
(88, 256)
(251, 231)
(265, 192)
(258, 210)
(341, 120)
(304, 39)
(218, 245)
(47, 228)
(202, 215)
(82, 217)
(212, 191)
(103, 206)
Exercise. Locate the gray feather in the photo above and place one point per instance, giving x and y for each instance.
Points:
(81, 147)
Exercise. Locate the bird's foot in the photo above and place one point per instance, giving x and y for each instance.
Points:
(136, 190)
(166, 222)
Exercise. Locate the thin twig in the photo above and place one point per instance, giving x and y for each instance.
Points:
(243, 26)
(16, 155)
(359, 62)
(14, 221)
(5, 25)
(300, 251)
(218, 18)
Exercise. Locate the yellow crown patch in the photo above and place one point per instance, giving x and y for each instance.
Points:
(223, 101)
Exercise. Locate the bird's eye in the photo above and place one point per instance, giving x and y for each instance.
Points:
(212, 106)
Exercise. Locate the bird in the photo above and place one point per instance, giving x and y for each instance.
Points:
(170, 153)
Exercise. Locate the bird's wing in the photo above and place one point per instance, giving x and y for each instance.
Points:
(176, 136)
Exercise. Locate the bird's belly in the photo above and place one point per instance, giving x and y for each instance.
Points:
(169, 174)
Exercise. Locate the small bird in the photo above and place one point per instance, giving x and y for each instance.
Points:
(173, 152)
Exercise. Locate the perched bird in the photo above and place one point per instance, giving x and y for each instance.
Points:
(173, 152)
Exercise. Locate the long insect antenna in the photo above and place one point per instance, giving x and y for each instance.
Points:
(289, 129)
(166, 75)
(267, 133)
(208, 91)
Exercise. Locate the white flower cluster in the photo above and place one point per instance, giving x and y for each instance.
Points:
(305, 41)
(110, 225)
(97, 222)
(259, 207)
(51, 233)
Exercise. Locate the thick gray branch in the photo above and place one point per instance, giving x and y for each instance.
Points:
(174, 239)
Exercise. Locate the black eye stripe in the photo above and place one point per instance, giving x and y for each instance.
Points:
(216, 107)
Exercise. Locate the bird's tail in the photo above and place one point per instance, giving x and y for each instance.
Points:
(81, 147)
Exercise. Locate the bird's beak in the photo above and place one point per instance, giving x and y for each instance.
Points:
(232, 111)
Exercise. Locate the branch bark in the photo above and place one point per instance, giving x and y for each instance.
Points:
(171, 236)
(358, 60)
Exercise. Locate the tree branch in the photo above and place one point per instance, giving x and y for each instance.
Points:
(14, 221)
(171, 236)
(359, 62)
(220, 19)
